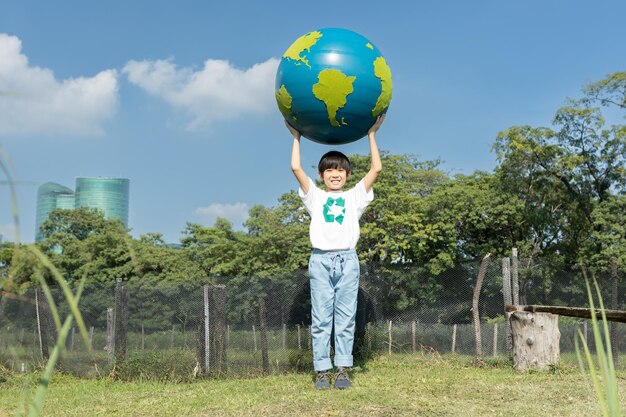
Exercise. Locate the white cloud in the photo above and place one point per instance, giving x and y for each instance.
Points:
(237, 213)
(33, 101)
(218, 91)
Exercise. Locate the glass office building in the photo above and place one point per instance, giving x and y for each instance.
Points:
(51, 196)
(107, 194)
(103, 193)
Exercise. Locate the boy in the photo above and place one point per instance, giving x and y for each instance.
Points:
(334, 264)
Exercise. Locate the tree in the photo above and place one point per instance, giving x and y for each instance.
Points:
(213, 249)
(82, 242)
(395, 226)
(611, 91)
(566, 172)
(479, 217)
(154, 260)
(608, 239)
(17, 266)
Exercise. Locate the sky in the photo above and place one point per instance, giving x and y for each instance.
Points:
(179, 96)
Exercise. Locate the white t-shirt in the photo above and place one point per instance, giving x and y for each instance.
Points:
(335, 215)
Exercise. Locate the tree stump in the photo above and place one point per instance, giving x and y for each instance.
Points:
(536, 340)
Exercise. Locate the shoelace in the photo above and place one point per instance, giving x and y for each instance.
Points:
(323, 376)
(342, 374)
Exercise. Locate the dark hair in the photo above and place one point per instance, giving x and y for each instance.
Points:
(334, 160)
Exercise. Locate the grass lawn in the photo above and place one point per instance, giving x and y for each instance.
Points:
(397, 385)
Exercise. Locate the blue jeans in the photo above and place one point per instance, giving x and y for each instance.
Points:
(334, 277)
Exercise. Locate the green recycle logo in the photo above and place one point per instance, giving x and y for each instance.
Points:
(334, 210)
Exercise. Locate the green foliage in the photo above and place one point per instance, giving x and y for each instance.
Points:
(301, 360)
(563, 174)
(81, 237)
(161, 366)
(396, 226)
(557, 193)
(608, 92)
(608, 238)
(212, 249)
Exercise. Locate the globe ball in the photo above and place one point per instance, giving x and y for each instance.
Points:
(332, 84)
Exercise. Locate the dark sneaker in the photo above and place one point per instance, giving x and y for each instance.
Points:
(322, 380)
(342, 381)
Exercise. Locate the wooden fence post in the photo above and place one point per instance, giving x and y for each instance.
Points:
(413, 331)
(110, 346)
(217, 328)
(495, 339)
(71, 341)
(514, 277)
(264, 348)
(475, 311)
(91, 330)
(203, 340)
(508, 300)
(389, 331)
(453, 338)
(614, 298)
(121, 320)
(41, 325)
(299, 341)
(212, 332)
(254, 337)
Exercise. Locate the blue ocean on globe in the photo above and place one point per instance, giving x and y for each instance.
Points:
(332, 84)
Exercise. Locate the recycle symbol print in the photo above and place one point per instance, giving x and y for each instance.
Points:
(334, 210)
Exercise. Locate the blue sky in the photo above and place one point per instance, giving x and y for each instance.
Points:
(130, 89)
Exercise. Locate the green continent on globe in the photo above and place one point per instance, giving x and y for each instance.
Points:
(304, 42)
(333, 88)
(284, 100)
(382, 72)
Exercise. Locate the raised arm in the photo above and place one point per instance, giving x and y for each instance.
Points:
(376, 164)
(296, 165)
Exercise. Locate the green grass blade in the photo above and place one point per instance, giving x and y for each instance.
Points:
(608, 366)
(600, 352)
(4, 161)
(71, 300)
(606, 390)
(579, 354)
(51, 304)
(44, 381)
(593, 375)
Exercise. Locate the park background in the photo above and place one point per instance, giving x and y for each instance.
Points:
(204, 160)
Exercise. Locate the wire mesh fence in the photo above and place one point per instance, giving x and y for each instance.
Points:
(181, 330)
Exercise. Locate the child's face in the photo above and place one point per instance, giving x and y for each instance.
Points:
(334, 178)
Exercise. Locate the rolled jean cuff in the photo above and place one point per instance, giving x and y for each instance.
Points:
(343, 360)
(322, 365)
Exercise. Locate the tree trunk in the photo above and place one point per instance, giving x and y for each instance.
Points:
(476, 317)
(536, 339)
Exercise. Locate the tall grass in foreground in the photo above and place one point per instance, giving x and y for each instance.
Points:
(604, 382)
(62, 329)
(7, 284)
